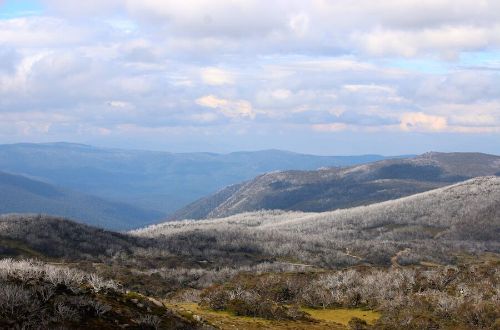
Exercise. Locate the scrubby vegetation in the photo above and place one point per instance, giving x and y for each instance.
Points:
(409, 298)
(432, 226)
(34, 295)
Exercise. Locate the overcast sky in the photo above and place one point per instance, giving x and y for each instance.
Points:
(318, 76)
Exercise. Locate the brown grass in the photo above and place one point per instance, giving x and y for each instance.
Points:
(323, 318)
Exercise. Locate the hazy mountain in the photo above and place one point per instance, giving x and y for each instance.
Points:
(153, 180)
(19, 194)
(333, 188)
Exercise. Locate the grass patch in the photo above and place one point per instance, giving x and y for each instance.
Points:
(16, 248)
(337, 318)
(225, 320)
(343, 315)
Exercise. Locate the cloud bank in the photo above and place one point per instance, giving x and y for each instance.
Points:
(208, 72)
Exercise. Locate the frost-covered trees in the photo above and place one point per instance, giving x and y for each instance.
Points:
(456, 297)
(432, 226)
(36, 295)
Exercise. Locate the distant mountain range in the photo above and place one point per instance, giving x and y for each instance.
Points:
(334, 188)
(160, 181)
(19, 194)
(124, 189)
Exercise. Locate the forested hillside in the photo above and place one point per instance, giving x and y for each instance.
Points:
(431, 226)
(334, 188)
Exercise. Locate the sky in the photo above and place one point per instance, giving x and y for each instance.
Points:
(320, 76)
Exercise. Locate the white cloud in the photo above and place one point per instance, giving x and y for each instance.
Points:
(418, 121)
(474, 119)
(404, 28)
(204, 18)
(446, 41)
(87, 7)
(229, 108)
(475, 130)
(216, 77)
(33, 122)
(299, 24)
(476, 114)
(43, 32)
(121, 108)
(331, 65)
(354, 88)
(119, 104)
(137, 85)
(334, 127)
(206, 117)
(281, 94)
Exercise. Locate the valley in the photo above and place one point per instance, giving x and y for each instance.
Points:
(155, 181)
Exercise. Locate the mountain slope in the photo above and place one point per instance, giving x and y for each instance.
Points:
(329, 189)
(153, 180)
(43, 296)
(19, 194)
(53, 237)
(431, 226)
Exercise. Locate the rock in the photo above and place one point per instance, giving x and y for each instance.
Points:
(156, 302)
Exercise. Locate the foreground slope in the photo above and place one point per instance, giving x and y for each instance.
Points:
(153, 180)
(430, 226)
(334, 188)
(283, 269)
(19, 194)
(34, 295)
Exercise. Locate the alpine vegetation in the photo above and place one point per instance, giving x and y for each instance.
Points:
(35, 295)
(445, 297)
(433, 226)
(426, 261)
